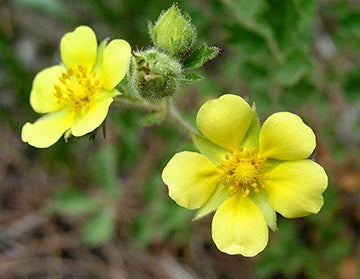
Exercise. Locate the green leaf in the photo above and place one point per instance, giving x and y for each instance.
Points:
(104, 170)
(200, 56)
(141, 230)
(294, 68)
(352, 84)
(100, 228)
(73, 201)
(190, 78)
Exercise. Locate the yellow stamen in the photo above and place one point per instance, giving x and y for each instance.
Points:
(76, 87)
(243, 170)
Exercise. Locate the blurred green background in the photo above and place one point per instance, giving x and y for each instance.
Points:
(97, 208)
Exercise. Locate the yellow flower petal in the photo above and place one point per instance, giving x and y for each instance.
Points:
(284, 136)
(115, 63)
(191, 179)
(48, 129)
(42, 98)
(295, 189)
(225, 120)
(92, 119)
(79, 48)
(239, 227)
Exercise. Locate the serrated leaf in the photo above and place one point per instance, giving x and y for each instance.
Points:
(100, 228)
(200, 56)
(190, 78)
(73, 201)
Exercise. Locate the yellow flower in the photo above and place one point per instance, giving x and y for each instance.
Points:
(75, 96)
(246, 173)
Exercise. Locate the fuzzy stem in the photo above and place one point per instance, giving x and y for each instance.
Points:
(171, 109)
(138, 104)
(174, 113)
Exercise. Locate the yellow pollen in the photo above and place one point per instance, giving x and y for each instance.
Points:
(76, 87)
(243, 172)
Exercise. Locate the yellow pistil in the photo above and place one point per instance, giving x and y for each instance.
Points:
(77, 87)
(243, 171)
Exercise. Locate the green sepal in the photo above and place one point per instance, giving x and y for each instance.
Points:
(220, 195)
(151, 30)
(212, 151)
(100, 55)
(200, 56)
(251, 139)
(262, 202)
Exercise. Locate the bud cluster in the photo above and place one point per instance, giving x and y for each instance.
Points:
(158, 72)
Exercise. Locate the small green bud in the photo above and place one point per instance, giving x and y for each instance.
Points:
(154, 75)
(173, 32)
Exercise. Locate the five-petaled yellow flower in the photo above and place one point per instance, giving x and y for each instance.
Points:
(246, 173)
(75, 96)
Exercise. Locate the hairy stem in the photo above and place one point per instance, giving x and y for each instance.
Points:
(138, 104)
(174, 114)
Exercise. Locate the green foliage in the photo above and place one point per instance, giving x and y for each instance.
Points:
(200, 56)
(98, 207)
(297, 65)
(321, 242)
(295, 55)
(52, 7)
(158, 73)
(190, 78)
(103, 167)
(161, 217)
(73, 201)
(352, 84)
(270, 43)
(100, 228)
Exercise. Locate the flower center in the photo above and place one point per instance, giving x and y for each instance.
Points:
(243, 171)
(76, 87)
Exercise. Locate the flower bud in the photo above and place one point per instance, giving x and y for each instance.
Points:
(173, 32)
(154, 75)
